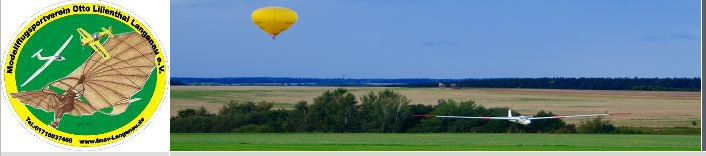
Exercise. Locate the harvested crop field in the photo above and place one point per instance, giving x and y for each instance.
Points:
(648, 108)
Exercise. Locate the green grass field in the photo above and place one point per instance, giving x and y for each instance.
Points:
(431, 142)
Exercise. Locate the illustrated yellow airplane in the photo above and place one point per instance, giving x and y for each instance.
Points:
(93, 41)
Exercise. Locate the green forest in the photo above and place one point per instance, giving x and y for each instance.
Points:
(644, 84)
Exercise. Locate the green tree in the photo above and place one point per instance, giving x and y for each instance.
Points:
(226, 123)
(186, 112)
(191, 124)
(333, 111)
(545, 125)
(418, 109)
(452, 108)
(495, 126)
(385, 111)
(201, 111)
(297, 121)
(233, 107)
(264, 106)
(429, 125)
(461, 126)
(498, 126)
(235, 114)
(276, 120)
(369, 113)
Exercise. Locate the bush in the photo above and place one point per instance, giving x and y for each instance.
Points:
(597, 125)
(627, 130)
(460, 126)
(191, 124)
(226, 123)
(428, 125)
(569, 128)
(253, 129)
(495, 126)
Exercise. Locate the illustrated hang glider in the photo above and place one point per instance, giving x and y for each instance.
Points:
(102, 83)
(93, 41)
(524, 120)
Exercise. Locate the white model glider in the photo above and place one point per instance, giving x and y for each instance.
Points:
(49, 61)
(524, 120)
(39, 56)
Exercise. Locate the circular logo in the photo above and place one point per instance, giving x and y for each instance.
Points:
(84, 74)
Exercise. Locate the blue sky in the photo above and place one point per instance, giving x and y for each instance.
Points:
(440, 39)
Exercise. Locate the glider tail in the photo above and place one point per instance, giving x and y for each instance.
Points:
(38, 54)
(108, 31)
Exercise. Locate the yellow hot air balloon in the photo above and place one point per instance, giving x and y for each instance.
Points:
(273, 19)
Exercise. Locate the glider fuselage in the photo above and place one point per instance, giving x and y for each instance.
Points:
(524, 120)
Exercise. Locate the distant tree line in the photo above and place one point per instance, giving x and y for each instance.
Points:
(339, 111)
(176, 83)
(299, 81)
(647, 84)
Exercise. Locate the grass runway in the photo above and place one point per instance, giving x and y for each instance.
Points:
(430, 142)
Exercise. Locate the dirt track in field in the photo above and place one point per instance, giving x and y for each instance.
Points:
(648, 108)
